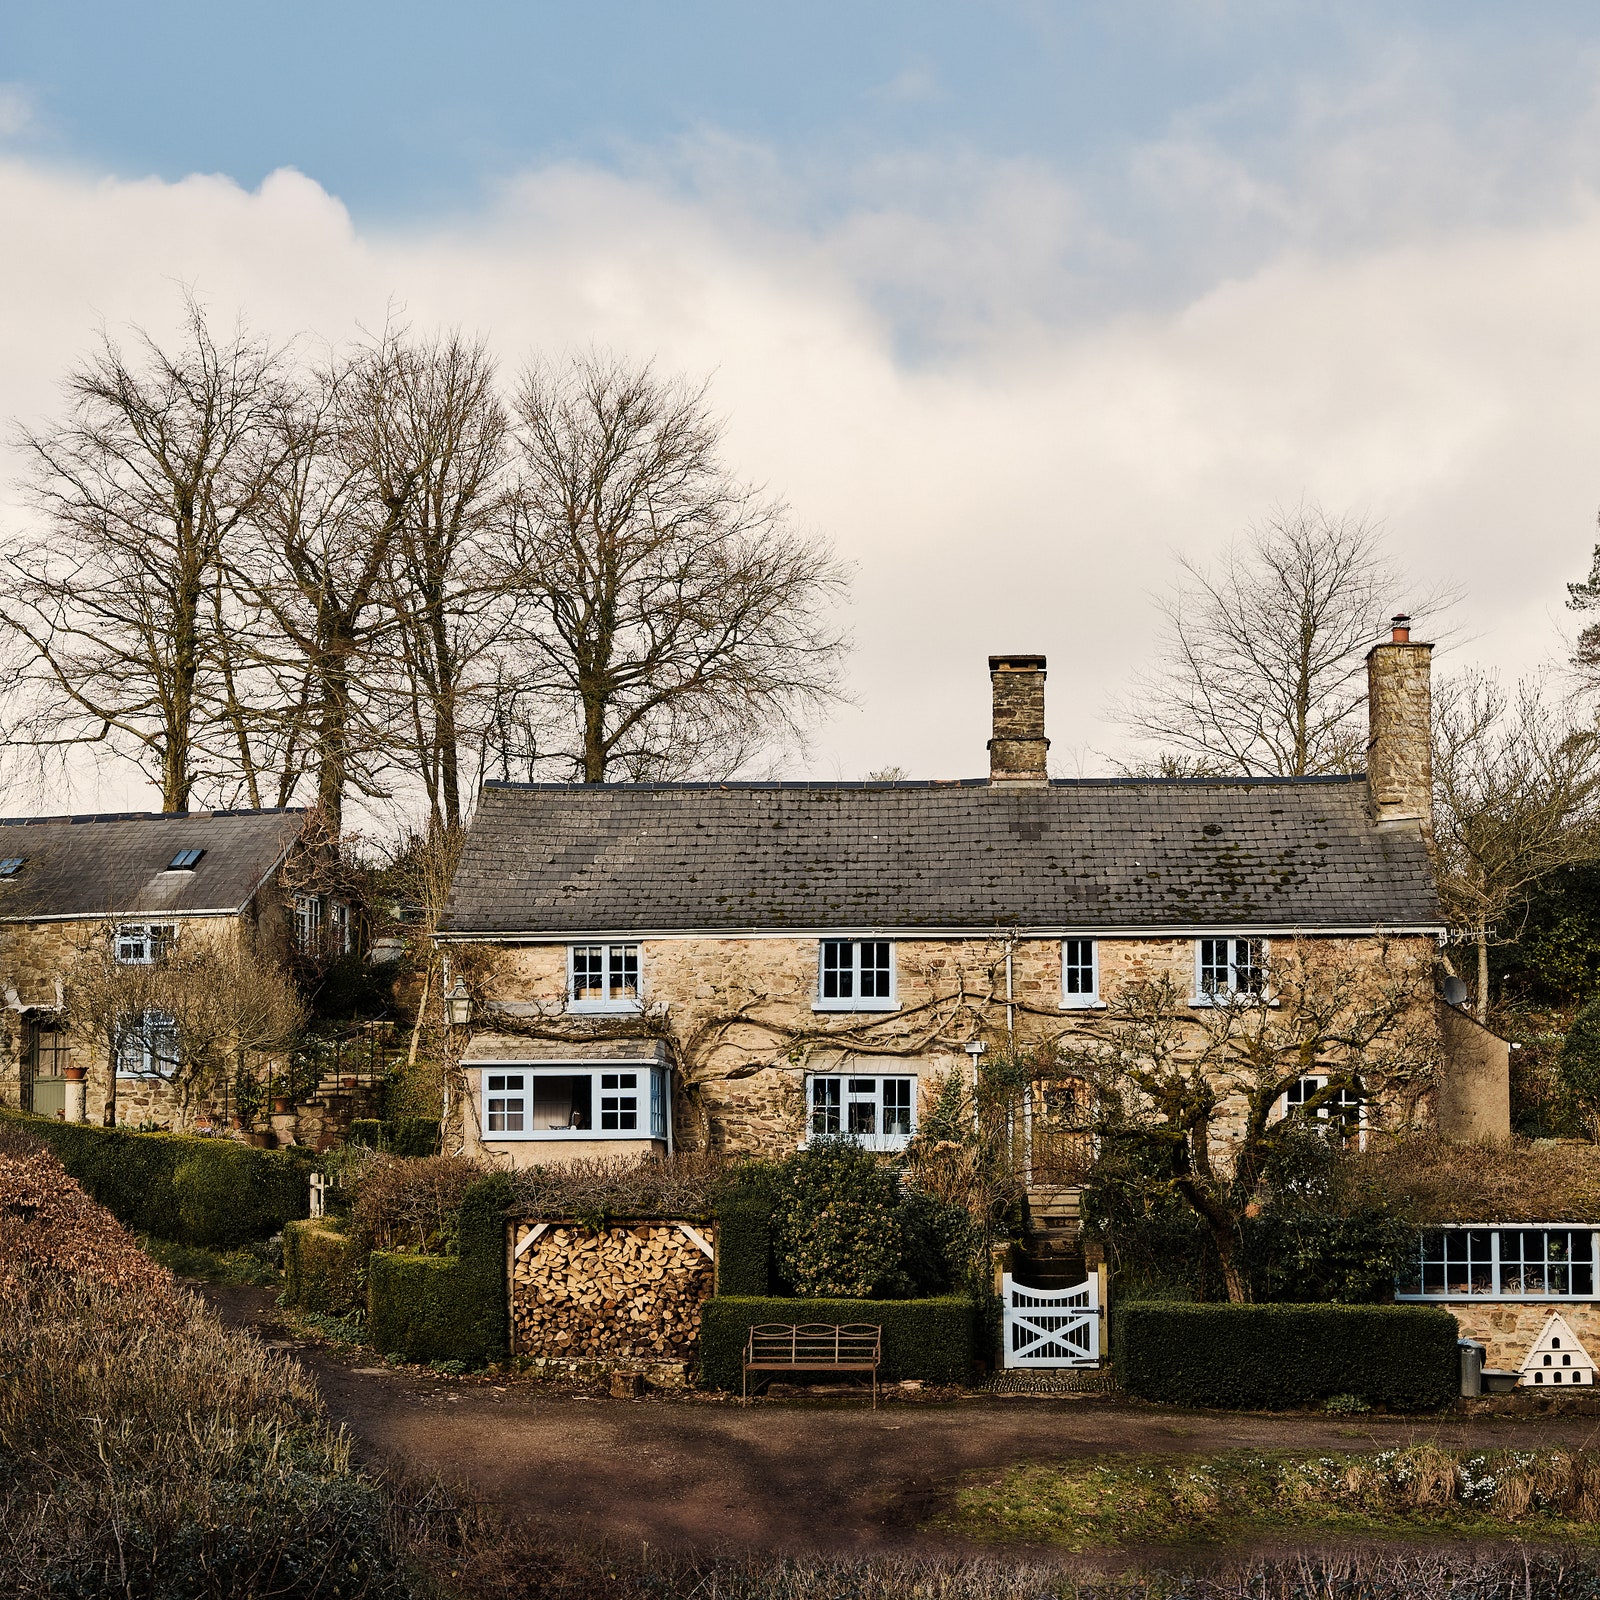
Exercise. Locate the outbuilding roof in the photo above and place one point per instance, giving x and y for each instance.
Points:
(122, 864)
(1089, 855)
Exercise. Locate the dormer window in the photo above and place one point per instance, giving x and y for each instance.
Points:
(185, 861)
(856, 975)
(603, 977)
(11, 866)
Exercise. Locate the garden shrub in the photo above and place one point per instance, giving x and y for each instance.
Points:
(211, 1192)
(1269, 1356)
(1303, 1256)
(683, 1185)
(400, 1136)
(933, 1339)
(837, 1222)
(322, 1270)
(412, 1203)
(365, 1130)
(447, 1308)
(1579, 1066)
(744, 1243)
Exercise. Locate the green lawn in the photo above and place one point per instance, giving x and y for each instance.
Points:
(1108, 1501)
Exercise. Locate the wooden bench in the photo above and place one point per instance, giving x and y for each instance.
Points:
(813, 1347)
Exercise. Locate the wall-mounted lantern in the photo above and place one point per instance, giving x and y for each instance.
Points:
(457, 1005)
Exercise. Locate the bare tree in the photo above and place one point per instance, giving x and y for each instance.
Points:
(140, 492)
(1262, 657)
(220, 1002)
(1205, 1091)
(672, 620)
(444, 420)
(1516, 796)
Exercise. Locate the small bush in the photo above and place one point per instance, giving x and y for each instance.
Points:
(323, 1271)
(211, 1192)
(412, 1203)
(928, 1339)
(1268, 1356)
(838, 1229)
(400, 1136)
(684, 1185)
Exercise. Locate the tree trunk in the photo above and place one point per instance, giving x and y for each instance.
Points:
(1232, 1277)
(1482, 1005)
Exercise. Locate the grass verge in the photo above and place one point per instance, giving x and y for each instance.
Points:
(1110, 1502)
(252, 1263)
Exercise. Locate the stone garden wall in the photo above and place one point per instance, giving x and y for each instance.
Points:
(631, 1291)
(1509, 1328)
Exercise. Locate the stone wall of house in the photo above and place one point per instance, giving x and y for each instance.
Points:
(1511, 1328)
(631, 1291)
(36, 961)
(740, 1019)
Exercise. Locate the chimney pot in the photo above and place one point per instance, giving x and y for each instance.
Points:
(1017, 750)
(1402, 628)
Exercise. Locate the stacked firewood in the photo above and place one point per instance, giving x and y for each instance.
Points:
(633, 1289)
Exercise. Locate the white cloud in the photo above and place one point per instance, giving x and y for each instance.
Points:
(16, 109)
(1024, 493)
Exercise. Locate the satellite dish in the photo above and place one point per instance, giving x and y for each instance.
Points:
(1455, 991)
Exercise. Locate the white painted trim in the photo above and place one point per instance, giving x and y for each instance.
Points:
(606, 1008)
(698, 1239)
(879, 1003)
(1081, 1002)
(523, 1245)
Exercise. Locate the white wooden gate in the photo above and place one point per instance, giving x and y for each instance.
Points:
(1051, 1327)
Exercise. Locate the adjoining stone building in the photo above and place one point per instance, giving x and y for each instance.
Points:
(747, 965)
(135, 886)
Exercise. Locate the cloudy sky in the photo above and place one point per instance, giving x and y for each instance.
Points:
(1014, 301)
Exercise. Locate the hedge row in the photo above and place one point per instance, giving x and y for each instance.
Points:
(447, 1308)
(1244, 1357)
(744, 1244)
(934, 1340)
(322, 1270)
(216, 1193)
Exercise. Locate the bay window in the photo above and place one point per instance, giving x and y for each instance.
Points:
(611, 1100)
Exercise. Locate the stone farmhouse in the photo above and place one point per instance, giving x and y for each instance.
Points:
(751, 965)
(140, 885)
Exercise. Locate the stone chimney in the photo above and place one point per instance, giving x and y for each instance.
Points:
(1400, 729)
(1017, 750)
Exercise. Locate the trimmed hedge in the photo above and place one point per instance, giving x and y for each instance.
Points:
(744, 1244)
(447, 1308)
(934, 1340)
(216, 1193)
(1245, 1357)
(322, 1270)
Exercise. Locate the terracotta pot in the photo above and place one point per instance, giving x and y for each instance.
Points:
(75, 1074)
(281, 1106)
(347, 1083)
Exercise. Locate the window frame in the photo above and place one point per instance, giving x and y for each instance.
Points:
(1421, 1261)
(1326, 1117)
(1091, 1000)
(649, 1094)
(856, 1001)
(156, 939)
(1233, 994)
(608, 1006)
(308, 924)
(149, 1026)
(844, 1094)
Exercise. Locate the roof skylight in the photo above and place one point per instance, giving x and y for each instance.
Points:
(11, 866)
(185, 861)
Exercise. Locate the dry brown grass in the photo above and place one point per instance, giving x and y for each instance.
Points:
(1431, 1181)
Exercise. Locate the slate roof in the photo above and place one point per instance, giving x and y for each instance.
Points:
(90, 866)
(554, 859)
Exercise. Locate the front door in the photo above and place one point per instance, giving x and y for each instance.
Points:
(44, 1069)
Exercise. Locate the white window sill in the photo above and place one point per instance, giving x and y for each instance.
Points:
(1233, 1002)
(1083, 1002)
(855, 1005)
(604, 1008)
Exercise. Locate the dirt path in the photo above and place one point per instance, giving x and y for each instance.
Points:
(815, 1476)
